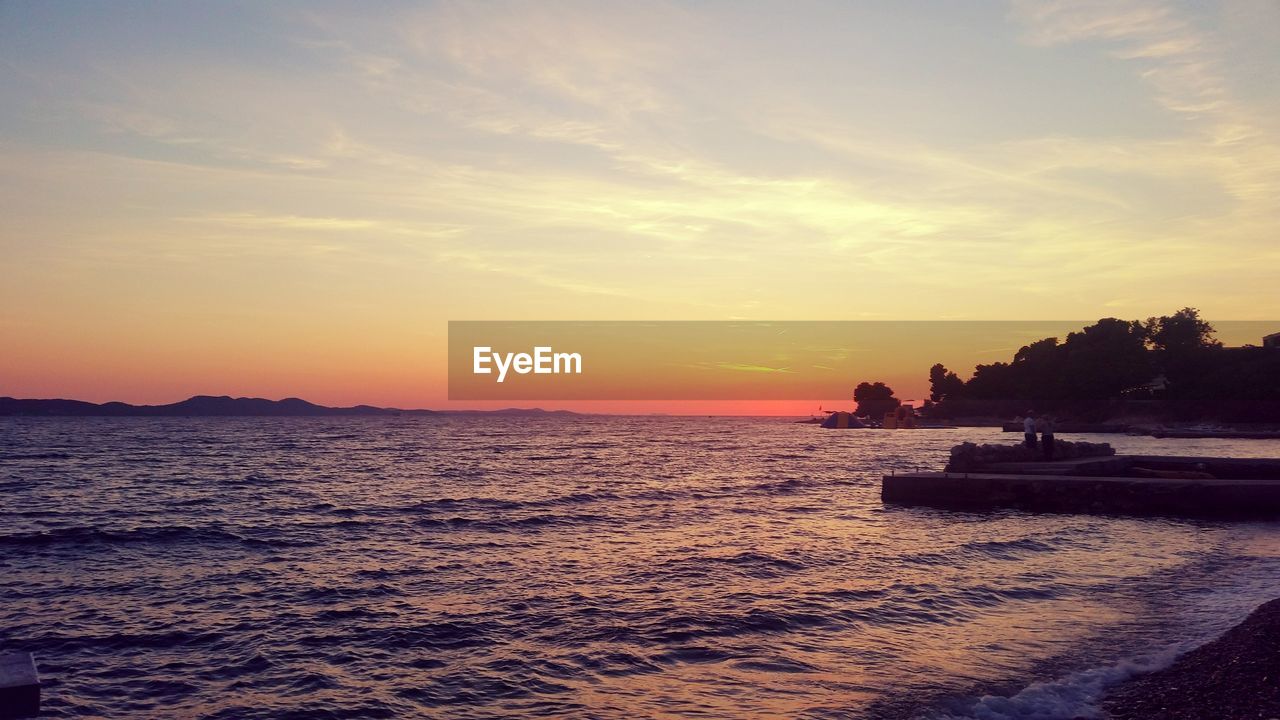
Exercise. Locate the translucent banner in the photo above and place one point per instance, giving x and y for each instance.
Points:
(735, 360)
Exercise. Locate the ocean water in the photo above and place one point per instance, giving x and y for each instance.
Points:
(584, 567)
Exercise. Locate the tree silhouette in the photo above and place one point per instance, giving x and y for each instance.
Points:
(1095, 372)
(943, 383)
(1184, 351)
(1181, 333)
(875, 399)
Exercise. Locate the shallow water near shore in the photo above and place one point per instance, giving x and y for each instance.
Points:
(475, 567)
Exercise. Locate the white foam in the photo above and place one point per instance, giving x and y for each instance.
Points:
(1070, 697)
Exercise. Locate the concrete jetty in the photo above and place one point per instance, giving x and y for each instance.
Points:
(1074, 427)
(1120, 484)
(19, 686)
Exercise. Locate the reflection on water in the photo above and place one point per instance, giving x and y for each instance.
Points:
(583, 567)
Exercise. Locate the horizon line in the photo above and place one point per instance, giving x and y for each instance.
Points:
(444, 411)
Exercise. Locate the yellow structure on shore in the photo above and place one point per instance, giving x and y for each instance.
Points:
(901, 418)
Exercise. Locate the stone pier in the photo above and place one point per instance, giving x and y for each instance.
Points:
(19, 686)
(1139, 485)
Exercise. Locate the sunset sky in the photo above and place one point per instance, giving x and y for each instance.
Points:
(292, 199)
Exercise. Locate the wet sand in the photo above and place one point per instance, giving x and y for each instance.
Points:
(1234, 677)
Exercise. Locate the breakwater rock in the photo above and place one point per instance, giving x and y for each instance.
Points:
(967, 457)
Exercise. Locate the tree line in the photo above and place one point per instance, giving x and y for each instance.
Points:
(1170, 366)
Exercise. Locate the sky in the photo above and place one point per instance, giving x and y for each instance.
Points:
(293, 199)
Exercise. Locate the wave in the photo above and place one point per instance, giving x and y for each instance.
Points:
(775, 487)
(252, 665)
(1073, 696)
(649, 495)
(979, 551)
(499, 525)
(118, 642)
(166, 534)
(761, 560)
(448, 634)
(749, 563)
(500, 504)
(776, 665)
(683, 628)
(619, 664)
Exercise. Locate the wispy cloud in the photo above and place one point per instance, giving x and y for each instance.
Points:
(741, 367)
(1184, 64)
(641, 154)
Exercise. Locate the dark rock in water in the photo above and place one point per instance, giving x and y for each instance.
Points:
(1234, 677)
(968, 456)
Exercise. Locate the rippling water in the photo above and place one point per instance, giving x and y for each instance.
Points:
(470, 567)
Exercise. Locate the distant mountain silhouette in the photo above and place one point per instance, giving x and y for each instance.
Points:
(506, 411)
(224, 406)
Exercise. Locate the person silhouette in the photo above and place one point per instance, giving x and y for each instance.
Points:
(1029, 430)
(1046, 436)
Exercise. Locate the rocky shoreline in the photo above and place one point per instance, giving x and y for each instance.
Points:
(1235, 677)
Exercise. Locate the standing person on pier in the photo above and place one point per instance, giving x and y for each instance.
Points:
(1046, 436)
(1029, 430)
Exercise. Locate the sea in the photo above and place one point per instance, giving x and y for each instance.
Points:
(488, 566)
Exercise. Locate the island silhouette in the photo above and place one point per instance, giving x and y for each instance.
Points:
(226, 406)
